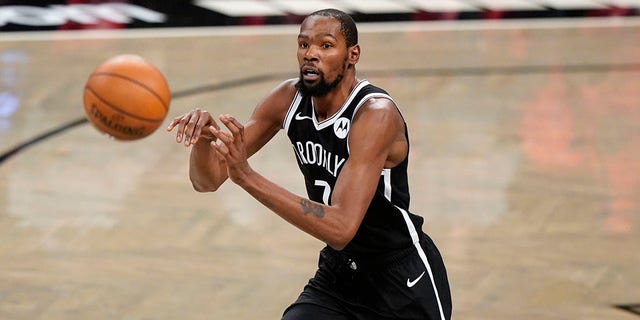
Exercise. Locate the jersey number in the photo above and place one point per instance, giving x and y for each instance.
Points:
(327, 190)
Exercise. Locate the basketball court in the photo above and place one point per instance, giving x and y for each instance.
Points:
(525, 163)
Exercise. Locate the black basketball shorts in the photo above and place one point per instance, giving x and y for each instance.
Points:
(407, 284)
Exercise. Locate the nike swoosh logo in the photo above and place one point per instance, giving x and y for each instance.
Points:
(413, 283)
(301, 117)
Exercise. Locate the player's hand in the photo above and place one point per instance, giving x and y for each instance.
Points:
(194, 125)
(231, 148)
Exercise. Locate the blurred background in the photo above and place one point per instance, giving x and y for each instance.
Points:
(523, 115)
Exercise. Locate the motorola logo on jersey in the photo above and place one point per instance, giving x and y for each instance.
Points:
(341, 127)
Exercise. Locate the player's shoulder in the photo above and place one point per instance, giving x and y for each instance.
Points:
(286, 88)
(377, 104)
(375, 97)
(380, 103)
(273, 107)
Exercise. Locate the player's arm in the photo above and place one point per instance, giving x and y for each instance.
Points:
(206, 171)
(372, 140)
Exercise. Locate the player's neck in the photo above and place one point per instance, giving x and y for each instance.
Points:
(329, 104)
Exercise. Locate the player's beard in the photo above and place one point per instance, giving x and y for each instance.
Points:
(322, 87)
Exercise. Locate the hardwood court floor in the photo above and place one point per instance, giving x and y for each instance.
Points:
(525, 163)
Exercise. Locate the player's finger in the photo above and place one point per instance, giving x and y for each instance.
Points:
(210, 134)
(225, 119)
(222, 151)
(201, 122)
(181, 126)
(235, 127)
(224, 137)
(173, 123)
(194, 125)
(190, 131)
(237, 124)
(221, 148)
(235, 121)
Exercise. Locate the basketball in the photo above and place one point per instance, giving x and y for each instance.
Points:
(126, 97)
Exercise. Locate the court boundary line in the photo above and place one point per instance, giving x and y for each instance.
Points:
(633, 308)
(363, 27)
(427, 72)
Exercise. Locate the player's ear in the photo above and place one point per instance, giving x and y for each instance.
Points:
(354, 54)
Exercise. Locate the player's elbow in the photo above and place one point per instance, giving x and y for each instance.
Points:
(205, 183)
(202, 186)
(338, 246)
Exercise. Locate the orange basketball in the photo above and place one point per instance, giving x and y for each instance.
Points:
(126, 97)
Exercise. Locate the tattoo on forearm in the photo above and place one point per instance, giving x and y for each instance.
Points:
(312, 207)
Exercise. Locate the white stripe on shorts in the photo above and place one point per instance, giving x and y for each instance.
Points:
(416, 242)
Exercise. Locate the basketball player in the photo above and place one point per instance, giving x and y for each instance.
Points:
(352, 147)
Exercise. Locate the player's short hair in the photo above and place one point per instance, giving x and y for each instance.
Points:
(347, 24)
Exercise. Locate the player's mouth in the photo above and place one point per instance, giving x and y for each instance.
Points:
(310, 74)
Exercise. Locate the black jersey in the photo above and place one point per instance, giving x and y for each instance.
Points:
(322, 150)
